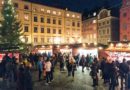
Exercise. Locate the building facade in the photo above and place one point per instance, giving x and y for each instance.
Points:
(108, 26)
(43, 25)
(89, 30)
(125, 21)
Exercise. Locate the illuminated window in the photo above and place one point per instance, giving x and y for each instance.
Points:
(59, 13)
(42, 9)
(26, 16)
(2, 2)
(67, 15)
(54, 12)
(73, 16)
(94, 21)
(77, 16)
(48, 11)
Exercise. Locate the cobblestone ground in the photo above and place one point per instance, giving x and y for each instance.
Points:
(82, 81)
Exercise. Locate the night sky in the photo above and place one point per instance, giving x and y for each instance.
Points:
(79, 5)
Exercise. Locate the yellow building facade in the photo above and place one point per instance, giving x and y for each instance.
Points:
(44, 25)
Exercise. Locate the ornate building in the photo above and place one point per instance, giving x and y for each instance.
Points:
(89, 30)
(43, 25)
(125, 21)
(108, 26)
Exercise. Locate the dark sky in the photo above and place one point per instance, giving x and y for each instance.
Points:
(79, 5)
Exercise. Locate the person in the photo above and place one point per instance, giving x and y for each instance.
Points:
(69, 68)
(20, 77)
(72, 66)
(129, 79)
(93, 73)
(83, 62)
(48, 69)
(28, 85)
(52, 68)
(113, 76)
(40, 67)
(123, 69)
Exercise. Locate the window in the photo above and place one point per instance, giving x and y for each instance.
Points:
(54, 12)
(42, 40)
(94, 21)
(67, 15)
(99, 24)
(42, 30)
(108, 22)
(48, 30)
(54, 21)
(124, 14)
(124, 37)
(59, 22)
(25, 28)
(35, 19)
(35, 40)
(78, 24)
(54, 31)
(108, 31)
(48, 20)
(103, 23)
(26, 7)
(48, 11)
(16, 5)
(124, 26)
(26, 39)
(48, 40)
(42, 20)
(26, 17)
(73, 23)
(59, 31)
(42, 9)
(73, 16)
(35, 29)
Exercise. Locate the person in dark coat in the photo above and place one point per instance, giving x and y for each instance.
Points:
(83, 62)
(129, 78)
(113, 75)
(20, 78)
(28, 85)
(102, 66)
(123, 69)
(94, 71)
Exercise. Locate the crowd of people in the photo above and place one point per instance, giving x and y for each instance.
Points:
(21, 72)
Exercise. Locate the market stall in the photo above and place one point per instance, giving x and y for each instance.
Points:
(118, 51)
